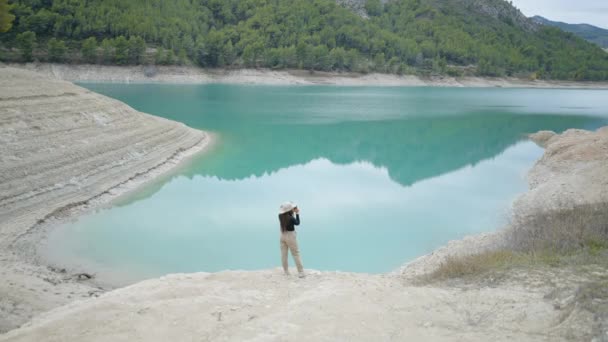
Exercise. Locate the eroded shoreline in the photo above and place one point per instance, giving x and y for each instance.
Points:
(195, 75)
(66, 150)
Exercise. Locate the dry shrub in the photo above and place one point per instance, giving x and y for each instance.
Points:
(462, 266)
(549, 237)
(560, 231)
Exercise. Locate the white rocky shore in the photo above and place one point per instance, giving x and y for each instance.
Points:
(64, 148)
(195, 75)
(265, 305)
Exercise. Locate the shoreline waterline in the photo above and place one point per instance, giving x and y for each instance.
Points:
(194, 75)
(239, 160)
(103, 224)
(26, 244)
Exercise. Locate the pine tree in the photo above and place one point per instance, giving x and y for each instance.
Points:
(137, 48)
(121, 53)
(56, 50)
(107, 47)
(169, 57)
(159, 57)
(89, 50)
(26, 42)
(373, 7)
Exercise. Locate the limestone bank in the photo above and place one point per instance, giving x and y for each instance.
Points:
(63, 147)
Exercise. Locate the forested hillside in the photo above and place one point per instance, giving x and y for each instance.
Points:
(482, 37)
(588, 32)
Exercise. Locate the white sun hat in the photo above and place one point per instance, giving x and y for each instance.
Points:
(287, 206)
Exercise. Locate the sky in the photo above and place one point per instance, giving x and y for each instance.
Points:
(594, 12)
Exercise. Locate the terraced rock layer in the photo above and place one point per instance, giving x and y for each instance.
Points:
(62, 146)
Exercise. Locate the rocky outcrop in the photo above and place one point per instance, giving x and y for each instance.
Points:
(573, 171)
(542, 138)
(357, 6)
(62, 146)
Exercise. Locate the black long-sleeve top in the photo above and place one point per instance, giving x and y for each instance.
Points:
(295, 221)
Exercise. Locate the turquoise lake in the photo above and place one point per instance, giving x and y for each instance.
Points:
(382, 175)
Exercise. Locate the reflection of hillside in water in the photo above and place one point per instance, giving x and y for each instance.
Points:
(411, 150)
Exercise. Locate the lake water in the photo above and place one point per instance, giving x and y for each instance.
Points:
(382, 175)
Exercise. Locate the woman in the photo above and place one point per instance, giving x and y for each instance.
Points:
(288, 235)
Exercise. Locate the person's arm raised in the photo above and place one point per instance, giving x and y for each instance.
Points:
(296, 220)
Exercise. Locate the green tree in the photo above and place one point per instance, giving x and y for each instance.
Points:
(169, 57)
(159, 56)
(89, 50)
(182, 57)
(380, 62)
(352, 60)
(272, 58)
(137, 47)
(338, 57)
(321, 58)
(56, 50)
(41, 22)
(6, 18)
(288, 57)
(107, 48)
(248, 57)
(213, 55)
(428, 49)
(121, 53)
(393, 65)
(26, 42)
(229, 54)
(304, 55)
(373, 7)
(251, 54)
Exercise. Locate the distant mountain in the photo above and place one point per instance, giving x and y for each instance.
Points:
(588, 32)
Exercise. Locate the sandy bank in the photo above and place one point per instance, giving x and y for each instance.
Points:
(194, 75)
(62, 147)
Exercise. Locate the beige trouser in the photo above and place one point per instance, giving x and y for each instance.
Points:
(289, 241)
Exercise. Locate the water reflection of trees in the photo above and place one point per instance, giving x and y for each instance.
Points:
(411, 150)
